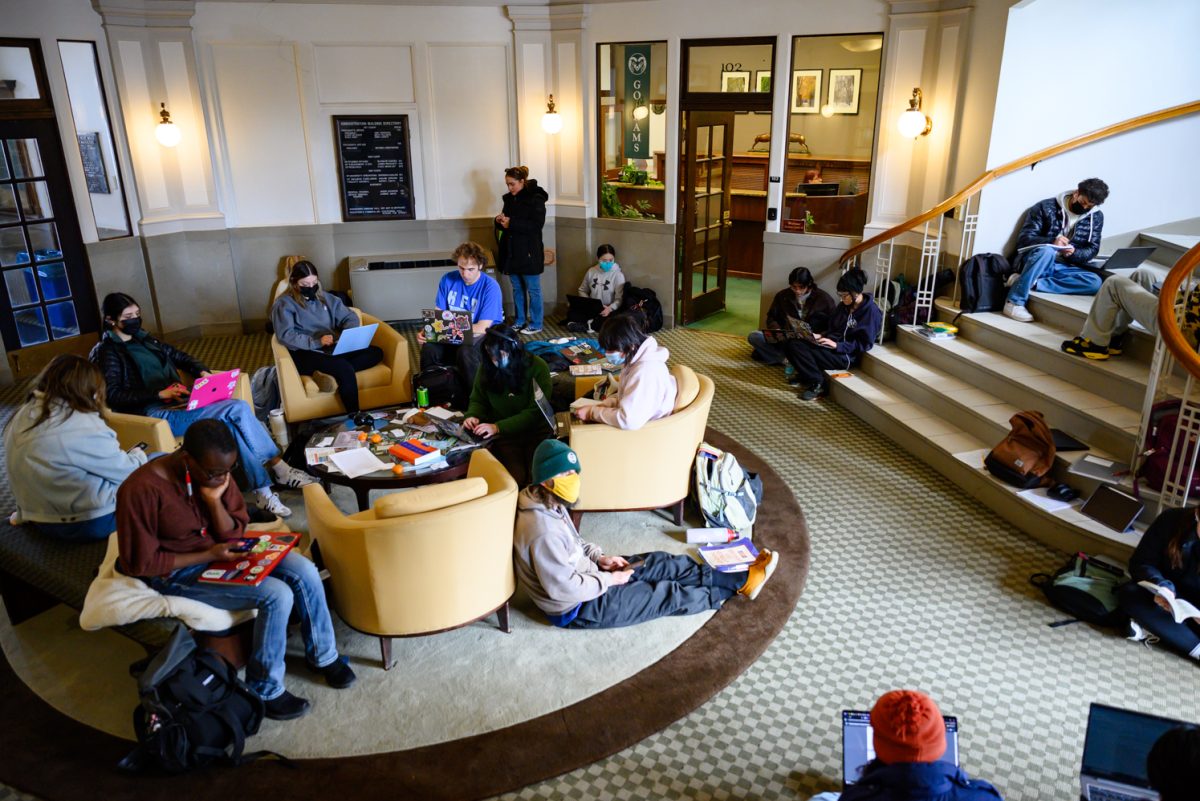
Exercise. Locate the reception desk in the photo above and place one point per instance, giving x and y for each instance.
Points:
(834, 214)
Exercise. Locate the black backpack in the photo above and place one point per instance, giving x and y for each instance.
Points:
(444, 386)
(194, 711)
(645, 301)
(981, 281)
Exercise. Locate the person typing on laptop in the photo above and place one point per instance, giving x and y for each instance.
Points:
(801, 301)
(307, 322)
(604, 284)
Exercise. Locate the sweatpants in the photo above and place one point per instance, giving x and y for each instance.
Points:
(1139, 604)
(342, 368)
(764, 351)
(665, 584)
(811, 361)
(1120, 302)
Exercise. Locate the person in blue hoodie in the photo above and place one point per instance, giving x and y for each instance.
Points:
(853, 330)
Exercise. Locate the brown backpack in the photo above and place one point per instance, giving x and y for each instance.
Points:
(1026, 454)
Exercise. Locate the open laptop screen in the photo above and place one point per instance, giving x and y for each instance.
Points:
(1118, 742)
(858, 746)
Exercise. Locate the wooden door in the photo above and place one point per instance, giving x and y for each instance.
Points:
(707, 145)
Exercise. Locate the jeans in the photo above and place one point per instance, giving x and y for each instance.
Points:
(293, 582)
(533, 285)
(1121, 301)
(98, 528)
(255, 445)
(665, 584)
(343, 368)
(1041, 270)
(766, 352)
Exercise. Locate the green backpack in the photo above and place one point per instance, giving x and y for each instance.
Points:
(1085, 588)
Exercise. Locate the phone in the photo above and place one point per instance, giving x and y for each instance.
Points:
(141, 446)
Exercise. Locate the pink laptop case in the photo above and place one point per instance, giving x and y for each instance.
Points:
(210, 389)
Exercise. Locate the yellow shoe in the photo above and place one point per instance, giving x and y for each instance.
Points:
(761, 570)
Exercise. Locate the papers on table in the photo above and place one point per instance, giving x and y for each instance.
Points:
(578, 402)
(439, 412)
(358, 462)
(1039, 498)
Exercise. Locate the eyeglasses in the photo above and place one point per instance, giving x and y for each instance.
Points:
(205, 475)
(845, 294)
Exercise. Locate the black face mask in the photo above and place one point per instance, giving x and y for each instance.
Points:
(1076, 208)
(132, 325)
(309, 292)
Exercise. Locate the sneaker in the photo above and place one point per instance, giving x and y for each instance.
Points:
(814, 392)
(291, 478)
(1018, 313)
(286, 707)
(338, 674)
(1116, 345)
(325, 382)
(793, 379)
(1135, 632)
(269, 502)
(577, 328)
(530, 331)
(1012, 280)
(761, 570)
(1080, 346)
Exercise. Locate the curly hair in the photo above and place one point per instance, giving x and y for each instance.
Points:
(471, 251)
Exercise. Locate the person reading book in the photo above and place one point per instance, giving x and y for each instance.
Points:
(605, 283)
(307, 322)
(502, 406)
(646, 389)
(177, 514)
(141, 376)
(1168, 559)
(802, 301)
(576, 585)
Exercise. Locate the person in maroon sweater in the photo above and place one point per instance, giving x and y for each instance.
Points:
(178, 513)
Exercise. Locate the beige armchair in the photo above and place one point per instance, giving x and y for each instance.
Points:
(422, 561)
(388, 383)
(134, 428)
(647, 468)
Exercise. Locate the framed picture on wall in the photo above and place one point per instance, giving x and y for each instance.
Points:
(762, 81)
(844, 85)
(735, 81)
(806, 91)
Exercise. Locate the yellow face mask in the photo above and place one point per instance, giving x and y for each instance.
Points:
(566, 487)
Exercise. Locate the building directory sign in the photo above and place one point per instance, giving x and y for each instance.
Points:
(374, 168)
(637, 95)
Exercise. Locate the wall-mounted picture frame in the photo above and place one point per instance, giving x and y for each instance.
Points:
(735, 81)
(806, 91)
(93, 163)
(762, 81)
(844, 86)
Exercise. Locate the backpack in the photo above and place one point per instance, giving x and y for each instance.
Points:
(444, 387)
(264, 389)
(1086, 589)
(981, 281)
(906, 308)
(1026, 454)
(1156, 450)
(194, 711)
(727, 495)
(646, 301)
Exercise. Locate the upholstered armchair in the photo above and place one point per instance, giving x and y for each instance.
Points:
(647, 468)
(134, 428)
(422, 561)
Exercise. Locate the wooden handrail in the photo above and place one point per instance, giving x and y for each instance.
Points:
(1168, 325)
(1017, 164)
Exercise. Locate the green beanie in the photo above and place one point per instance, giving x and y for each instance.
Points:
(553, 457)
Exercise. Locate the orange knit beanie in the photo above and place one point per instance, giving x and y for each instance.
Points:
(908, 727)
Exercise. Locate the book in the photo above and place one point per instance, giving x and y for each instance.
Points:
(449, 327)
(933, 333)
(732, 557)
(414, 452)
(587, 369)
(582, 354)
(1181, 610)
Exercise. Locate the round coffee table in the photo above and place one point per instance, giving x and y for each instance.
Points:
(455, 468)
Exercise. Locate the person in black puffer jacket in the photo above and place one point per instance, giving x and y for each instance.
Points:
(519, 237)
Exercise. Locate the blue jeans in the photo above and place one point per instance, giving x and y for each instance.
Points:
(295, 581)
(1041, 270)
(98, 528)
(255, 445)
(533, 285)
(767, 352)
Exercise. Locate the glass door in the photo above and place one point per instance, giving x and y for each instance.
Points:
(707, 158)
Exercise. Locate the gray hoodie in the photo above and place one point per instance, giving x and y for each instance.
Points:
(300, 327)
(605, 286)
(553, 563)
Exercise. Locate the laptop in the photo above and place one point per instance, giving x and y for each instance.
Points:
(210, 389)
(1114, 754)
(352, 339)
(1124, 258)
(858, 744)
(799, 330)
(559, 422)
(1112, 507)
(580, 308)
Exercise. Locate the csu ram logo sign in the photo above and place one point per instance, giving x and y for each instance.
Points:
(638, 64)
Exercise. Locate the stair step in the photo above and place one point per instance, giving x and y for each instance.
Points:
(1171, 246)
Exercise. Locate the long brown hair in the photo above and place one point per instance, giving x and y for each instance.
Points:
(301, 270)
(1187, 530)
(70, 381)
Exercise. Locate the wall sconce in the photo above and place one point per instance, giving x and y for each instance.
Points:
(827, 110)
(167, 133)
(914, 122)
(551, 121)
(640, 112)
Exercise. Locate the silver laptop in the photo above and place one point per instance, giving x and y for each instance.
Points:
(1114, 754)
(559, 422)
(1125, 258)
(858, 744)
(352, 339)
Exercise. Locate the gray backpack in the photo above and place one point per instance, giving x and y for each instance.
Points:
(727, 495)
(264, 389)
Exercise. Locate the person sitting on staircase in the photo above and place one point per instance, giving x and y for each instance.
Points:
(1121, 301)
(1058, 239)
(801, 301)
(853, 329)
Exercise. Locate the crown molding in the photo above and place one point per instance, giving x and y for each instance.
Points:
(567, 17)
(146, 13)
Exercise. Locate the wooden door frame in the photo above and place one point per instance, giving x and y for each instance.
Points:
(711, 301)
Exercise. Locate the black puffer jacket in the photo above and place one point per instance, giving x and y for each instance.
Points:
(520, 245)
(126, 392)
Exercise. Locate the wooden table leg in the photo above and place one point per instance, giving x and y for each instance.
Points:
(502, 618)
(363, 496)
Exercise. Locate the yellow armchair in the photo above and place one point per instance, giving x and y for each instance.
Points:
(422, 561)
(134, 428)
(648, 468)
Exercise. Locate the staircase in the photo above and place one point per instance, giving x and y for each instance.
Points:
(949, 401)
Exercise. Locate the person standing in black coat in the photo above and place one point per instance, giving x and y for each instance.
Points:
(519, 236)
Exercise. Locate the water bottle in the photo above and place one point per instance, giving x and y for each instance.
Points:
(423, 397)
(278, 428)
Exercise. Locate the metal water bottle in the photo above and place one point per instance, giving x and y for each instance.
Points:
(278, 427)
(423, 397)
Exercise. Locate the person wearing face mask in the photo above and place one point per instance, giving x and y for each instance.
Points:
(141, 376)
(503, 407)
(64, 463)
(604, 283)
(801, 301)
(576, 585)
(307, 321)
(1058, 239)
(646, 389)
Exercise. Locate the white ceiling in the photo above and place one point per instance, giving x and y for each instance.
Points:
(429, 2)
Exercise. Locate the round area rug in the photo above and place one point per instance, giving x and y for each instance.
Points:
(48, 754)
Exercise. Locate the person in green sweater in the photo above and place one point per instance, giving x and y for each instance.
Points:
(503, 407)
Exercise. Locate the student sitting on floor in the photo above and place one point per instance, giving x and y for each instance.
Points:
(576, 585)
(141, 376)
(307, 321)
(177, 514)
(1119, 302)
(604, 282)
(64, 463)
(1169, 556)
(502, 403)
(1173, 764)
(853, 329)
(801, 301)
(646, 389)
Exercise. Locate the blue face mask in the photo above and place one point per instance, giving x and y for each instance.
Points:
(615, 358)
(503, 363)
(607, 265)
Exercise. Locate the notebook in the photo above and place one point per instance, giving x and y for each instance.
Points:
(858, 744)
(352, 339)
(212, 388)
(1113, 508)
(1114, 753)
(263, 554)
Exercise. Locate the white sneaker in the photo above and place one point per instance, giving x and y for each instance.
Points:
(269, 502)
(292, 478)
(1018, 313)
(528, 331)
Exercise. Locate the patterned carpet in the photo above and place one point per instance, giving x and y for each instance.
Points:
(913, 584)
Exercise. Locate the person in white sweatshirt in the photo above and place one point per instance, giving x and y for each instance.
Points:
(603, 282)
(64, 463)
(646, 389)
